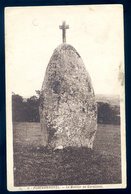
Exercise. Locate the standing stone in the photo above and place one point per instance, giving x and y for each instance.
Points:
(68, 111)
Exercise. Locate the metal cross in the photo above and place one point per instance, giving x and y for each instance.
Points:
(63, 27)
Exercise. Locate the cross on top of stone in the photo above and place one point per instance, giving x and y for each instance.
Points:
(64, 27)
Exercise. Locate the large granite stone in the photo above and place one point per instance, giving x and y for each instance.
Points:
(68, 111)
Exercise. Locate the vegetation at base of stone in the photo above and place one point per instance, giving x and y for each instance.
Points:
(35, 165)
(27, 110)
(64, 167)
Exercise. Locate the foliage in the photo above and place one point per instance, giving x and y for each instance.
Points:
(27, 110)
(108, 114)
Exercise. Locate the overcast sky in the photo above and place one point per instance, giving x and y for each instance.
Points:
(32, 34)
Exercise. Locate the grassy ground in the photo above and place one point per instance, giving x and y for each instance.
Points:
(34, 165)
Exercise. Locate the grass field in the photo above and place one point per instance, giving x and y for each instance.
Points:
(36, 166)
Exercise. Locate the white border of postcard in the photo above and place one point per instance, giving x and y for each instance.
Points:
(9, 138)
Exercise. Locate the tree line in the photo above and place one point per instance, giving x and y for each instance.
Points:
(27, 110)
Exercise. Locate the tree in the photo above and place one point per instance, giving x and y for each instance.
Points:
(25, 111)
(33, 109)
(17, 107)
(108, 114)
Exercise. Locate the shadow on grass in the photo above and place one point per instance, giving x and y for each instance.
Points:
(39, 166)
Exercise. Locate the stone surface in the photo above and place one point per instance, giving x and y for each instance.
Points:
(68, 111)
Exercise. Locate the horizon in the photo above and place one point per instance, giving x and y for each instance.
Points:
(35, 94)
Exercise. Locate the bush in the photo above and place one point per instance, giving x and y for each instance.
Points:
(25, 110)
(108, 114)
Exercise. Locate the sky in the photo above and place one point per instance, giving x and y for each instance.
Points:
(32, 34)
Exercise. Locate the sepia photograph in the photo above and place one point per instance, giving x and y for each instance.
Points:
(65, 97)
